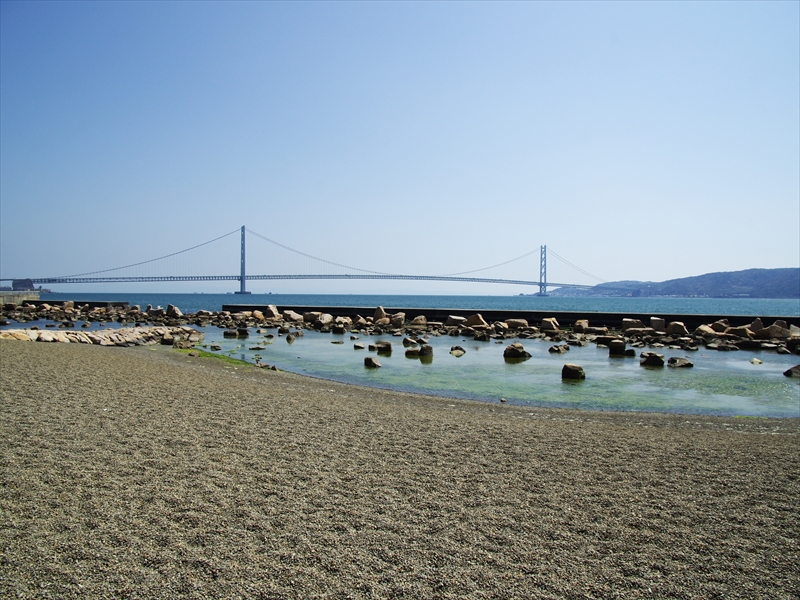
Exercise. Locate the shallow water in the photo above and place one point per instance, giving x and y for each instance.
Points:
(720, 383)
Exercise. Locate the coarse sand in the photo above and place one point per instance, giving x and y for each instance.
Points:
(146, 473)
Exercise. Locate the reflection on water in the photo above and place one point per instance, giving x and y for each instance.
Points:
(720, 383)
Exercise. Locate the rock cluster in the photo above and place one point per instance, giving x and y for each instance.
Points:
(179, 337)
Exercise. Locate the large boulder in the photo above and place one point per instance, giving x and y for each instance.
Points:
(793, 372)
(258, 315)
(677, 328)
(720, 326)
(455, 321)
(426, 350)
(419, 322)
(631, 324)
(706, 331)
(678, 362)
(173, 312)
(290, 315)
(651, 359)
(742, 332)
(398, 319)
(371, 362)
(516, 351)
(379, 314)
(457, 351)
(581, 325)
(516, 323)
(774, 331)
(476, 320)
(616, 347)
(310, 317)
(549, 324)
(570, 371)
(658, 323)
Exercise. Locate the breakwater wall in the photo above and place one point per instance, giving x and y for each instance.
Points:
(599, 319)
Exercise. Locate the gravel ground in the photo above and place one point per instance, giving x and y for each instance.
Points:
(145, 473)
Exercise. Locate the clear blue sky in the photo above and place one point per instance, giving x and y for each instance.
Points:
(639, 140)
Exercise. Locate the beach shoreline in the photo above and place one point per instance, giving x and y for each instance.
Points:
(144, 472)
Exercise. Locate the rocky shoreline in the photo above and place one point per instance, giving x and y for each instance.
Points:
(171, 327)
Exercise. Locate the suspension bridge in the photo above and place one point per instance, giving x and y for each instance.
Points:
(112, 275)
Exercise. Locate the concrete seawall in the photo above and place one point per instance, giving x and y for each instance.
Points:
(596, 319)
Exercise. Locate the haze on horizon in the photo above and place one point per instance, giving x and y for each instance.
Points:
(640, 141)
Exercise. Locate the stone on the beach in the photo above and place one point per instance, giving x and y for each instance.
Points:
(419, 322)
(412, 352)
(781, 323)
(290, 338)
(706, 331)
(379, 314)
(398, 319)
(631, 324)
(407, 341)
(216, 347)
(457, 351)
(271, 312)
(174, 312)
(793, 372)
(756, 324)
(371, 362)
(516, 350)
(290, 315)
(181, 344)
(426, 350)
(720, 326)
(455, 321)
(581, 325)
(258, 315)
(756, 361)
(651, 359)
(616, 347)
(476, 320)
(516, 323)
(741, 331)
(570, 371)
(658, 323)
(358, 346)
(383, 347)
(549, 324)
(794, 331)
(678, 362)
(559, 349)
(676, 328)
(310, 317)
(242, 332)
(774, 331)
(383, 321)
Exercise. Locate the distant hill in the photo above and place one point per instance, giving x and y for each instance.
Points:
(751, 283)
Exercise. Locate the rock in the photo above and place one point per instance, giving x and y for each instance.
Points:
(290, 315)
(216, 347)
(258, 315)
(379, 314)
(516, 323)
(794, 331)
(756, 325)
(678, 362)
(651, 359)
(774, 331)
(658, 323)
(412, 352)
(310, 317)
(482, 336)
(457, 351)
(570, 371)
(781, 323)
(419, 322)
(290, 338)
(174, 312)
(793, 372)
(242, 332)
(271, 312)
(407, 341)
(358, 346)
(559, 349)
(516, 351)
(337, 342)
(343, 321)
(720, 326)
(476, 320)
(640, 332)
(596, 330)
(631, 324)
(676, 328)
(455, 321)
(549, 324)
(181, 344)
(706, 331)
(383, 321)
(616, 347)
(371, 362)
(323, 319)
(756, 361)
(383, 347)
(581, 325)
(742, 332)
(426, 350)
(359, 322)
(398, 319)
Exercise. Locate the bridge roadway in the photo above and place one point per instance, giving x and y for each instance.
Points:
(120, 279)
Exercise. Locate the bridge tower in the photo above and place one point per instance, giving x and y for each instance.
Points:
(543, 272)
(242, 272)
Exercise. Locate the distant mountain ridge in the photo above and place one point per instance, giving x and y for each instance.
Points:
(750, 283)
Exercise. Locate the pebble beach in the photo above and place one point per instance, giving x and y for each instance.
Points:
(147, 473)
